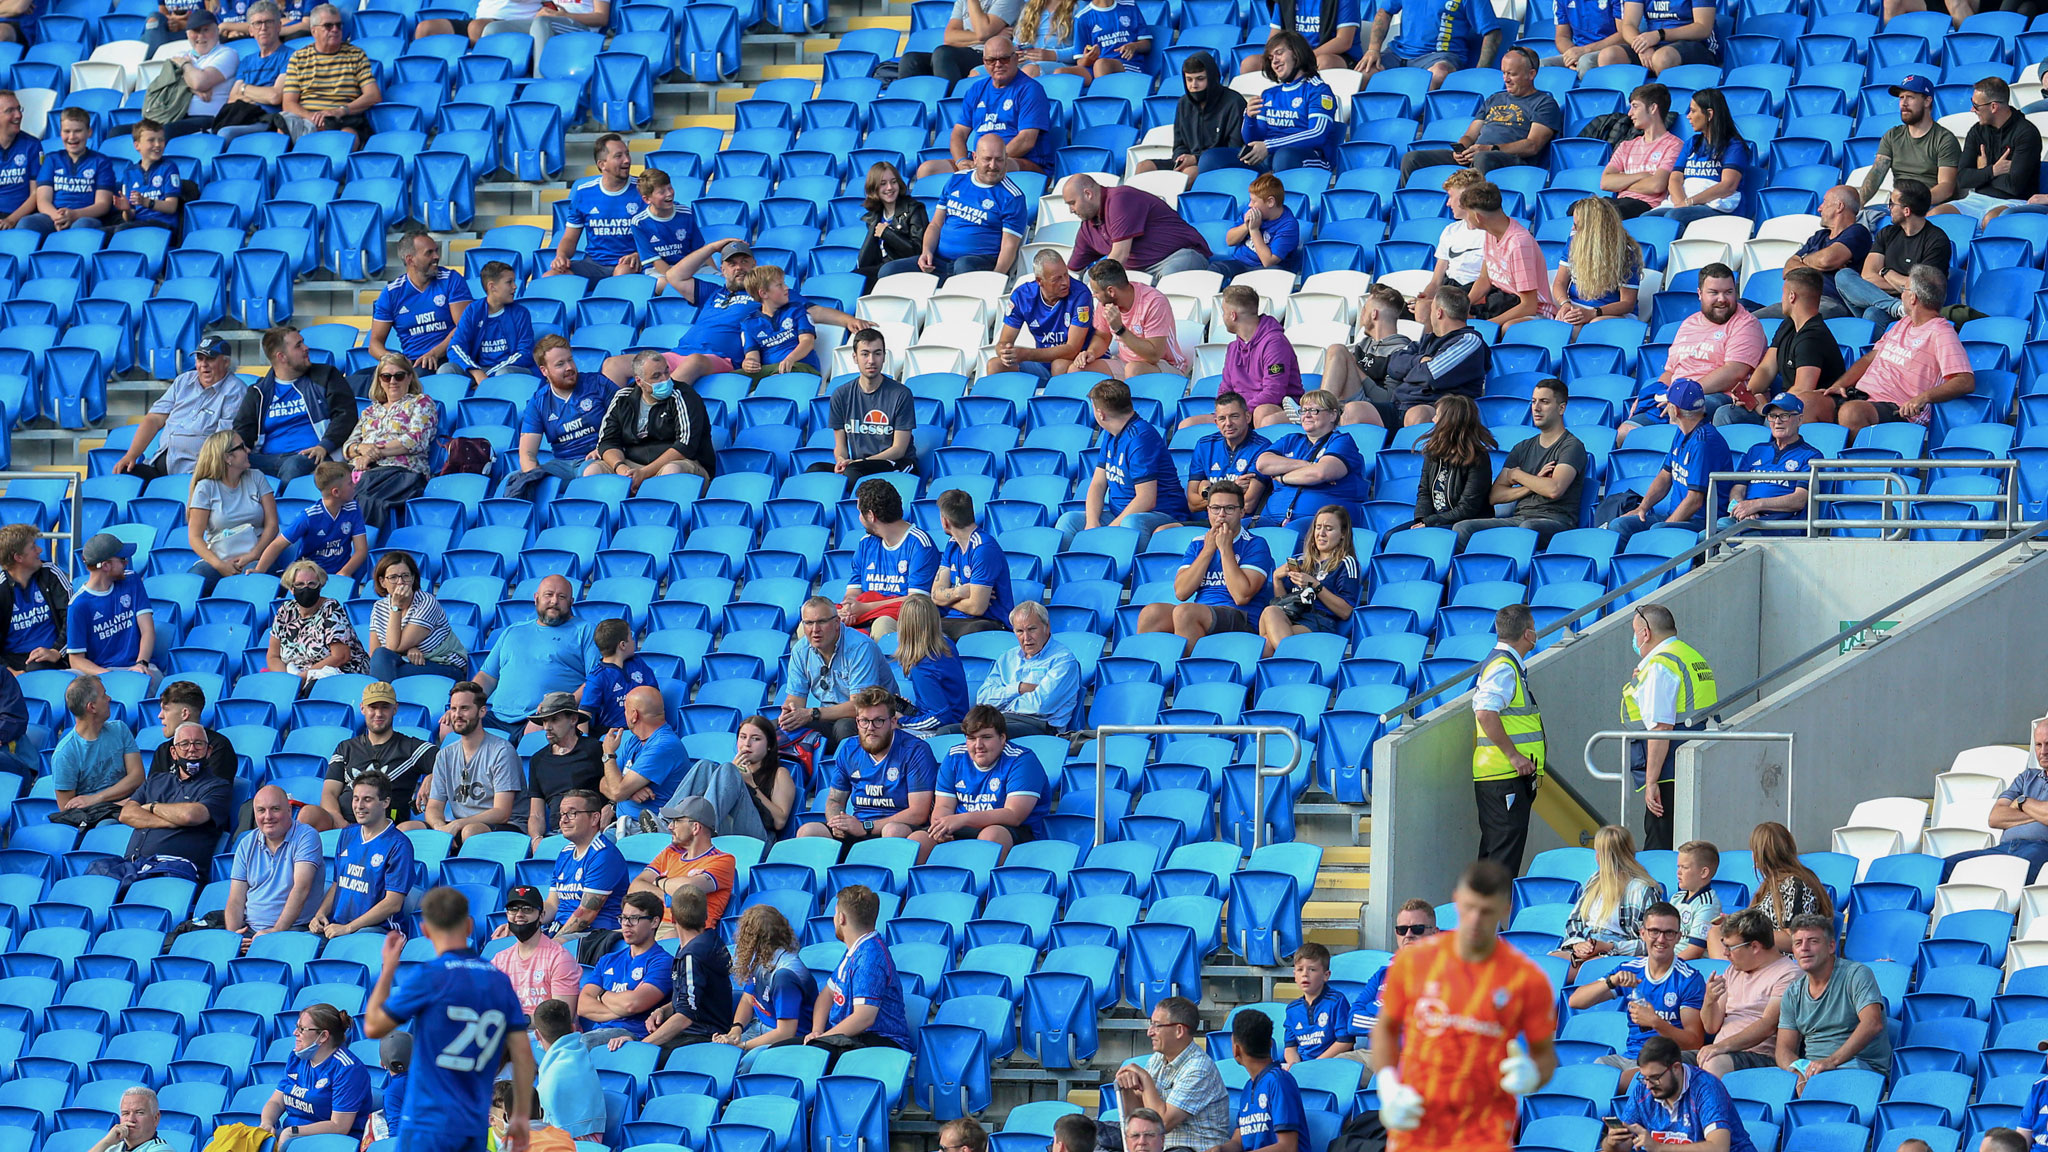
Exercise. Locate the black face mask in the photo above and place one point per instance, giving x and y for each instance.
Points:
(523, 932)
(307, 597)
(191, 768)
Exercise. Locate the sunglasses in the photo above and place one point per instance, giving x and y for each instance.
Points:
(1411, 929)
(394, 376)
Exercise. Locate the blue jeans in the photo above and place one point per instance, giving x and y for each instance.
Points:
(1627, 526)
(2034, 852)
(1866, 299)
(386, 664)
(208, 577)
(1736, 414)
(283, 468)
(521, 485)
(1070, 525)
(941, 267)
(1228, 268)
(1687, 214)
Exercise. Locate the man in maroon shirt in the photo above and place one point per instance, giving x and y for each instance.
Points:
(1133, 227)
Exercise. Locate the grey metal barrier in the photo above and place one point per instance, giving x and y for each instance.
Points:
(1628, 736)
(1258, 732)
(1890, 473)
(74, 498)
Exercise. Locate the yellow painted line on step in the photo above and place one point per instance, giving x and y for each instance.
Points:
(538, 221)
(1358, 854)
(899, 23)
(1329, 910)
(793, 71)
(719, 120)
(732, 95)
(550, 195)
(1086, 1099)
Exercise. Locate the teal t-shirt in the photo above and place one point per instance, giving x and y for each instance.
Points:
(83, 765)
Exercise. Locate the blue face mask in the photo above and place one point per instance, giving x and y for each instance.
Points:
(664, 389)
(1636, 643)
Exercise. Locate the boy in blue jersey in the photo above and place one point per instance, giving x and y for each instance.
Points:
(861, 1006)
(1057, 309)
(1440, 35)
(1661, 994)
(465, 1020)
(1112, 37)
(881, 784)
(373, 866)
(1224, 580)
(980, 221)
(972, 583)
(604, 206)
(1269, 236)
(1269, 1112)
(1662, 34)
(780, 337)
(1006, 103)
(630, 983)
(619, 670)
(330, 531)
(558, 431)
(1134, 478)
(75, 188)
(663, 232)
(110, 624)
(148, 193)
(21, 157)
(497, 337)
(422, 306)
(1229, 453)
(988, 789)
(1318, 1024)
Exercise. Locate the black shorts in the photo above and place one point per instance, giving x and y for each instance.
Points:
(1887, 412)
(1701, 52)
(1229, 618)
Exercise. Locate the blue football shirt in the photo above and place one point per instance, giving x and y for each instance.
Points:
(775, 337)
(606, 219)
(879, 789)
(666, 240)
(313, 1093)
(1252, 554)
(31, 626)
(1049, 320)
(1313, 1028)
(159, 183)
(327, 537)
(1016, 772)
(19, 164)
(1270, 1104)
(898, 571)
(75, 182)
(570, 424)
(600, 868)
(1131, 457)
(421, 317)
(978, 216)
(981, 562)
(622, 970)
(866, 974)
(368, 871)
(101, 625)
(1020, 107)
(1215, 459)
(462, 1013)
(721, 315)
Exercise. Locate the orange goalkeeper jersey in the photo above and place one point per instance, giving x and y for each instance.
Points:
(1457, 1019)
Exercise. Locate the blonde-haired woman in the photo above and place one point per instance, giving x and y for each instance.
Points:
(1045, 35)
(776, 989)
(1608, 919)
(1602, 269)
(311, 637)
(392, 441)
(931, 669)
(231, 517)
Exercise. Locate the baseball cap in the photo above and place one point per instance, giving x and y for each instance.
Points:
(380, 692)
(692, 808)
(395, 1053)
(526, 895)
(737, 248)
(212, 345)
(1786, 402)
(1918, 85)
(199, 18)
(104, 547)
(554, 704)
(1685, 394)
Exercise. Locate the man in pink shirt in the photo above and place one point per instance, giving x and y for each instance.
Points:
(1260, 364)
(1919, 362)
(1514, 285)
(1639, 175)
(1133, 321)
(1741, 1008)
(539, 968)
(1719, 346)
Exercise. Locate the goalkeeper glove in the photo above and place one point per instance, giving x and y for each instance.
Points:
(1518, 1075)
(1400, 1105)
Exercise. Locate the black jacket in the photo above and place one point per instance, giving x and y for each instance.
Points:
(1454, 361)
(333, 393)
(220, 756)
(56, 593)
(680, 422)
(903, 238)
(1464, 494)
(1213, 120)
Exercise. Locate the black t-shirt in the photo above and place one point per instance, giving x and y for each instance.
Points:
(1531, 457)
(549, 774)
(406, 760)
(1812, 345)
(220, 759)
(1901, 251)
(195, 843)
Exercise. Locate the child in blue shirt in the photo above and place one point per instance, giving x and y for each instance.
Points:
(75, 188)
(148, 195)
(1113, 38)
(780, 337)
(619, 671)
(497, 337)
(1318, 1024)
(331, 533)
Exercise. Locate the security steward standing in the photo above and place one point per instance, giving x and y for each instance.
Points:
(1507, 755)
(1671, 679)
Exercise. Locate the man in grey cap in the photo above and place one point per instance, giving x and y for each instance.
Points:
(110, 624)
(690, 861)
(198, 403)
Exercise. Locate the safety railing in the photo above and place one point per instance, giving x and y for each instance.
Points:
(73, 497)
(1898, 492)
(1631, 735)
(1260, 769)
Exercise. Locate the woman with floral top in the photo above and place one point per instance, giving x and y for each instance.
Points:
(311, 637)
(392, 440)
(1785, 887)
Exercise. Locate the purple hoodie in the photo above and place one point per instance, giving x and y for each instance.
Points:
(1263, 369)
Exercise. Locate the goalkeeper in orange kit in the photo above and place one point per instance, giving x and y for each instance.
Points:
(1455, 1016)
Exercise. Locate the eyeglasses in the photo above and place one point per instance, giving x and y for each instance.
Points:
(1662, 933)
(1411, 929)
(303, 1030)
(1318, 408)
(1980, 105)
(1226, 507)
(636, 919)
(986, 59)
(238, 448)
(566, 812)
(329, 24)
(874, 721)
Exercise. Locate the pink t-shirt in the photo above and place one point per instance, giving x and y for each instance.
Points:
(550, 974)
(1514, 264)
(1637, 155)
(1151, 315)
(1703, 346)
(1749, 993)
(1911, 360)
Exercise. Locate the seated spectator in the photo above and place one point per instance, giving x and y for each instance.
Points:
(1036, 685)
(1005, 103)
(1835, 1017)
(476, 777)
(880, 784)
(895, 221)
(148, 193)
(1437, 35)
(776, 989)
(1133, 227)
(2021, 833)
(496, 338)
(1134, 478)
(1413, 924)
(968, 30)
(406, 763)
(988, 789)
(625, 987)
(664, 232)
(34, 603)
(1639, 172)
(1742, 1001)
(690, 861)
(2000, 1139)
(1698, 905)
(310, 636)
(1222, 582)
(1697, 453)
(409, 631)
(712, 342)
(1044, 33)
(1452, 359)
(619, 670)
(135, 1126)
(1514, 284)
(299, 414)
(644, 759)
(256, 95)
(553, 652)
(700, 1002)
(1603, 271)
(372, 866)
(324, 1089)
(328, 532)
(178, 817)
(862, 1004)
(21, 158)
(893, 559)
(1457, 467)
(1801, 359)
(1229, 453)
(1672, 1104)
(75, 188)
(980, 222)
(1608, 919)
(1660, 34)
(1786, 888)
(199, 402)
(1178, 1087)
(566, 1086)
(564, 417)
(1259, 363)
(568, 764)
(1293, 123)
(1918, 362)
(1718, 347)
(1056, 308)
(655, 426)
(1318, 590)
(1661, 994)
(96, 762)
(423, 305)
(329, 84)
(967, 1135)
(208, 68)
(275, 883)
(1319, 1023)
(539, 968)
(392, 441)
(109, 624)
(1876, 289)
(1544, 475)
(780, 337)
(1787, 452)
(1269, 1114)
(1460, 250)
(972, 583)
(1357, 375)
(873, 417)
(1269, 237)
(1136, 322)
(603, 205)
(181, 703)
(1318, 466)
(1840, 242)
(1707, 180)
(589, 880)
(1332, 32)
(1513, 126)
(1208, 122)
(929, 668)
(21, 743)
(230, 516)
(827, 665)
(1585, 29)
(1112, 37)
(1917, 148)
(743, 791)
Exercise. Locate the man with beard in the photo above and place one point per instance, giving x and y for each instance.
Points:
(1918, 149)
(477, 777)
(539, 968)
(564, 416)
(1719, 346)
(881, 785)
(405, 762)
(589, 880)
(372, 866)
(554, 652)
(421, 307)
(298, 414)
(690, 861)
(1672, 1104)
(1875, 290)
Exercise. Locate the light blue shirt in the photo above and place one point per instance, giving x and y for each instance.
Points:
(84, 766)
(1054, 670)
(269, 874)
(856, 664)
(532, 659)
(567, 1084)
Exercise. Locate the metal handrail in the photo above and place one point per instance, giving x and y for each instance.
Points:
(1261, 771)
(1628, 736)
(75, 495)
(1890, 472)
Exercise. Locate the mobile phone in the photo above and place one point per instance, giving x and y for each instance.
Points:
(1613, 1123)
